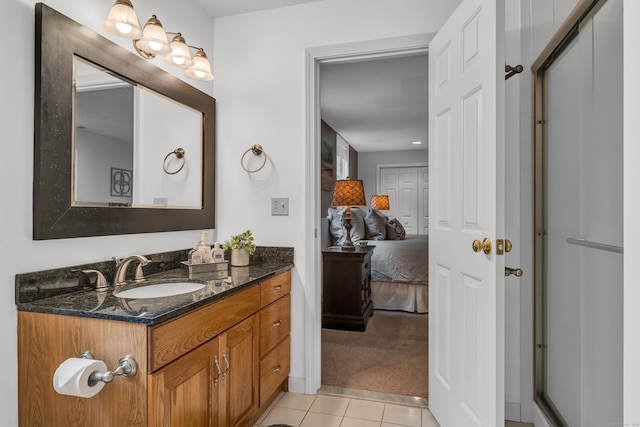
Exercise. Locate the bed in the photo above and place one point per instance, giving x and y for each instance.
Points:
(399, 271)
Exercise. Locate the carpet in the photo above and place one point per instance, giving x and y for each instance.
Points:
(391, 356)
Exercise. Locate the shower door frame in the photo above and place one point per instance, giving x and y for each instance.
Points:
(563, 37)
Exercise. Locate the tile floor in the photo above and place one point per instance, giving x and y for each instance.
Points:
(336, 410)
(324, 410)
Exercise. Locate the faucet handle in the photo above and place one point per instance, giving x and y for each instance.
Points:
(101, 282)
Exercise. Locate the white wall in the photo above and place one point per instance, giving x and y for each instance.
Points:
(260, 88)
(20, 253)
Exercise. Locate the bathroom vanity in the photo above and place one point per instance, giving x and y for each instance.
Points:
(215, 357)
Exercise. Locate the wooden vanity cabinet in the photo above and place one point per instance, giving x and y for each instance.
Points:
(275, 344)
(214, 385)
(219, 365)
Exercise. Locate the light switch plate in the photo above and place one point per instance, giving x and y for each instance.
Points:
(280, 206)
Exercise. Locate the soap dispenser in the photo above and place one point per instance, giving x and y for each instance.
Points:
(204, 247)
(217, 254)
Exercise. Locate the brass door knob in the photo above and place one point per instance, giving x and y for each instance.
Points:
(484, 246)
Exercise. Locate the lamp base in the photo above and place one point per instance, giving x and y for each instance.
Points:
(347, 248)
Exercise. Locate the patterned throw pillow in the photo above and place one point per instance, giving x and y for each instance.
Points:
(395, 230)
(375, 225)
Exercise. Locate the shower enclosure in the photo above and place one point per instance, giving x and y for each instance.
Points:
(579, 232)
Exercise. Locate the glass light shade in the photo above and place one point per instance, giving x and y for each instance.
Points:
(123, 21)
(348, 192)
(200, 70)
(380, 202)
(154, 39)
(179, 55)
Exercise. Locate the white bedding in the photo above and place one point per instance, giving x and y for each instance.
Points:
(403, 261)
(400, 274)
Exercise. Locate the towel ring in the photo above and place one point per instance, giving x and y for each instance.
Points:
(179, 153)
(257, 150)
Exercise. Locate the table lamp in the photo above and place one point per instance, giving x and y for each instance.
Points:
(380, 202)
(347, 193)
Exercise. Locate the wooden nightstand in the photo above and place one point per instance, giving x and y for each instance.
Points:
(346, 288)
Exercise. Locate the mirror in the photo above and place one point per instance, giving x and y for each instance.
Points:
(67, 182)
(121, 142)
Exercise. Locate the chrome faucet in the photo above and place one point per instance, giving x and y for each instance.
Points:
(123, 264)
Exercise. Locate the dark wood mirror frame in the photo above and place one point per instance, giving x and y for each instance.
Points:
(58, 39)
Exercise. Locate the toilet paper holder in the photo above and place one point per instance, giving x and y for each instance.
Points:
(127, 368)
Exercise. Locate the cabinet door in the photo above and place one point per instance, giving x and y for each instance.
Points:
(239, 362)
(183, 393)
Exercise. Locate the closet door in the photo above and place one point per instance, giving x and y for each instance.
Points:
(408, 190)
(389, 185)
(408, 199)
(423, 200)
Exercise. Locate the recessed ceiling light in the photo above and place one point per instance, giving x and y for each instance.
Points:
(417, 142)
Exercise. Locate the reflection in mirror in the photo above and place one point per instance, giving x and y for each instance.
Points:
(123, 133)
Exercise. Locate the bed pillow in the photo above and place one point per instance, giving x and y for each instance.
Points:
(375, 224)
(337, 230)
(395, 230)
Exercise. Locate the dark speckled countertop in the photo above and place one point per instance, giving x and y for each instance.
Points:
(67, 291)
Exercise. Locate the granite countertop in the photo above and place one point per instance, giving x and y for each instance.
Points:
(62, 291)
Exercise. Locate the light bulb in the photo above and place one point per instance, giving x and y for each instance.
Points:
(178, 60)
(200, 74)
(154, 45)
(123, 27)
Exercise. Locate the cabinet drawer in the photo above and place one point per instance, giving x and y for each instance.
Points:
(274, 288)
(171, 339)
(274, 368)
(275, 323)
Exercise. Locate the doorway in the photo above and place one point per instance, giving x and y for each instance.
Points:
(409, 45)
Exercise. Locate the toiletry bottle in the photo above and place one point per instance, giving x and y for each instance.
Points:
(196, 256)
(217, 254)
(191, 252)
(204, 247)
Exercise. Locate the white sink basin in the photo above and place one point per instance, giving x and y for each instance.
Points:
(160, 290)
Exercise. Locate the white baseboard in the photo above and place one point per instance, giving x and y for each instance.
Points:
(512, 412)
(296, 385)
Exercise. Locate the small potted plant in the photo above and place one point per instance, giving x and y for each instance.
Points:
(241, 246)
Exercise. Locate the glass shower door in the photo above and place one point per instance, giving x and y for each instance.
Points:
(579, 226)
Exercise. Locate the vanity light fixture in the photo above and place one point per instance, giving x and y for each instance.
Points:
(152, 41)
(123, 21)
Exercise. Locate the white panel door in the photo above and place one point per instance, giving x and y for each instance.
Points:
(389, 186)
(407, 199)
(423, 200)
(466, 148)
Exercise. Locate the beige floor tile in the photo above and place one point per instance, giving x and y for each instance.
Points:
(391, 425)
(279, 415)
(296, 401)
(403, 415)
(428, 420)
(358, 422)
(365, 409)
(315, 419)
(333, 405)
